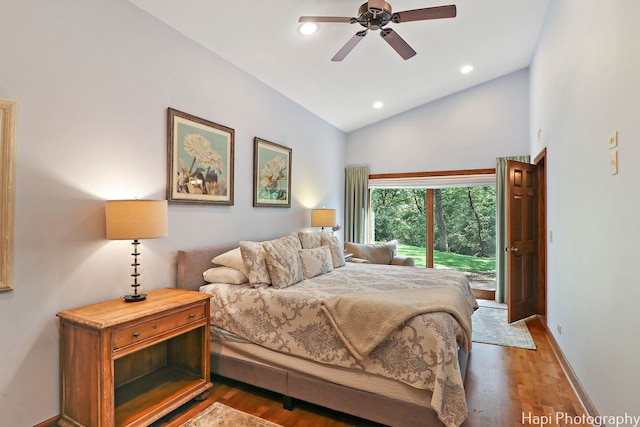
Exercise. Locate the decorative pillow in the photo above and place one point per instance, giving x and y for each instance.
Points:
(337, 253)
(233, 259)
(255, 263)
(315, 261)
(224, 275)
(393, 245)
(310, 240)
(377, 254)
(282, 260)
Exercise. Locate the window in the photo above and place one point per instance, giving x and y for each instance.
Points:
(441, 219)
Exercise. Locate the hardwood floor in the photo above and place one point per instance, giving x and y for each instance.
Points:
(502, 384)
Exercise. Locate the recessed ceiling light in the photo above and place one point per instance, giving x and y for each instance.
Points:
(378, 104)
(307, 28)
(466, 69)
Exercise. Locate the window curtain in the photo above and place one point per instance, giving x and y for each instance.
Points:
(356, 202)
(501, 224)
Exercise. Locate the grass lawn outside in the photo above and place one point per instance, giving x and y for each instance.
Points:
(448, 259)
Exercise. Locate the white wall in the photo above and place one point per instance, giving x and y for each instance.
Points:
(93, 81)
(584, 85)
(467, 130)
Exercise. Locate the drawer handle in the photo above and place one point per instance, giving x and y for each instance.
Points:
(136, 334)
(192, 315)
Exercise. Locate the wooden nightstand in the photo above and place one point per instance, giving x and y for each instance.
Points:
(129, 364)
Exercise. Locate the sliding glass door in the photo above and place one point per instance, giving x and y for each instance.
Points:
(400, 213)
(464, 222)
(441, 226)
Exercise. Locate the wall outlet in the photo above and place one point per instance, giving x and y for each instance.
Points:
(559, 328)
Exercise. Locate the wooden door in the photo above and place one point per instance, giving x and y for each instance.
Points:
(522, 293)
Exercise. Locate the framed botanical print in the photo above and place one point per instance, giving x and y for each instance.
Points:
(271, 174)
(200, 160)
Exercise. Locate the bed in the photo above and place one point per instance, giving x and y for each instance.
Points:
(398, 382)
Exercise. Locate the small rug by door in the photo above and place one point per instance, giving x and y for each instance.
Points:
(222, 415)
(490, 326)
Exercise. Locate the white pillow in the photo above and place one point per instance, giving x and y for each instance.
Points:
(224, 275)
(315, 261)
(233, 259)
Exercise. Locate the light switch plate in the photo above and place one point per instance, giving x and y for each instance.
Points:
(614, 162)
(613, 139)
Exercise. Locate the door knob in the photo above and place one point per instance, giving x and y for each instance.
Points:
(511, 249)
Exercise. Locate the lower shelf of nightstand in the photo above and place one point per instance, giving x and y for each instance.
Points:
(156, 394)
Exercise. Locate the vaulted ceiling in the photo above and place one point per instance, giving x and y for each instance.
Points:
(261, 37)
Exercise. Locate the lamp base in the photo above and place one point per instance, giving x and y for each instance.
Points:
(135, 297)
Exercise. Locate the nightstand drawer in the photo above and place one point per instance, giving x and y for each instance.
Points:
(146, 330)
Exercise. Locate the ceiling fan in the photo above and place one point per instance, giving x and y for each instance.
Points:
(374, 15)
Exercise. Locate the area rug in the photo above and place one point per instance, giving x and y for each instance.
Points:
(490, 326)
(222, 415)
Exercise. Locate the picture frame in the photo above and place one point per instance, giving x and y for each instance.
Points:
(200, 160)
(8, 126)
(271, 174)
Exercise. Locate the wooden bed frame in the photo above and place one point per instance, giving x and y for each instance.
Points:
(296, 385)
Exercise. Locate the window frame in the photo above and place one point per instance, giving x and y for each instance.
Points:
(429, 181)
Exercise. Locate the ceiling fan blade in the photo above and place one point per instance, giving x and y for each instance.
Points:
(438, 12)
(376, 6)
(348, 47)
(397, 43)
(338, 19)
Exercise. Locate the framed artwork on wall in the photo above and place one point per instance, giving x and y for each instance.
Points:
(200, 157)
(8, 124)
(271, 174)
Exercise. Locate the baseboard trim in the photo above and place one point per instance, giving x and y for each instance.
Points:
(587, 404)
(51, 422)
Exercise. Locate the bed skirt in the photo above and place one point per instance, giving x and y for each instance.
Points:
(367, 396)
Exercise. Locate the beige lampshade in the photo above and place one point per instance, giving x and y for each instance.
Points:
(323, 217)
(136, 219)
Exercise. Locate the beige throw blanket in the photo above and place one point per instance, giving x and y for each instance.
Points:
(364, 321)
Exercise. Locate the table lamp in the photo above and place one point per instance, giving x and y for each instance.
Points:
(134, 220)
(323, 218)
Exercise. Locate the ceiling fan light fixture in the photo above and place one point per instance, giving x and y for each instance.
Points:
(375, 15)
(308, 28)
(466, 69)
